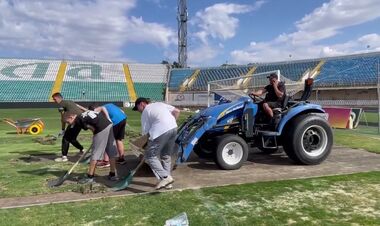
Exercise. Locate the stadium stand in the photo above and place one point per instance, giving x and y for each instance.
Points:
(331, 74)
(357, 70)
(29, 80)
(88, 81)
(292, 70)
(335, 71)
(211, 74)
(149, 80)
(178, 76)
(32, 80)
(25, 80)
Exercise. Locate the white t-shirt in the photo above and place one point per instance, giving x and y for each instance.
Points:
(157, 119)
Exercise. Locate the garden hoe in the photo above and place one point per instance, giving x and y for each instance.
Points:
(59, 181)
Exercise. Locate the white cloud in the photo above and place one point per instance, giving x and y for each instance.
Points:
(217, 21)
(153, 33)
(214, 25)
(324, 22)
(371, 41)
(77, 29)
(202, 54)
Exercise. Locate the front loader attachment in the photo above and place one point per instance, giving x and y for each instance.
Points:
(189, 135)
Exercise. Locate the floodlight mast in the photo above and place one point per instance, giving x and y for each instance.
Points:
(182, 33)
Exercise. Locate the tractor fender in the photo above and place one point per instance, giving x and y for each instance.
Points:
(193, 139)
(298, 110)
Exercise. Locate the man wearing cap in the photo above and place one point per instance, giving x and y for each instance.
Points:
(275, 93)
(158, 121)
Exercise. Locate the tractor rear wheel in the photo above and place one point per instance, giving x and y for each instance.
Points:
(231, 152)
(309, 140)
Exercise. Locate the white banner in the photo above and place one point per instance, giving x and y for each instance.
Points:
(188, 99)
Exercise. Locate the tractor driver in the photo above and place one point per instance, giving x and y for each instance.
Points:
(275, 93)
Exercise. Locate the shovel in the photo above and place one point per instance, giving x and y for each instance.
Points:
(124, 183)
(86, 159)
(137, 144)
(59, 181)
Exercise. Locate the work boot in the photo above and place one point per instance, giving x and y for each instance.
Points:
(164, 182)
(86, 180)
(112, 177)
(61, 159)
(121, 160)
(169, 186)
(80, 152)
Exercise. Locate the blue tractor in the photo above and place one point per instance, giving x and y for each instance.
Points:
(226, 131)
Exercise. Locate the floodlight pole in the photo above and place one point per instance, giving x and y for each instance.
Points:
(182, 33)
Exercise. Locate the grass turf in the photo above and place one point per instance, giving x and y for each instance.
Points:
(28, 165)
(336, 200)
(348, 199)
(363, 137)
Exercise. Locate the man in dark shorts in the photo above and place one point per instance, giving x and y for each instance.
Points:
(275, 93)
(102, 141)
(70, 133)
(119, 121)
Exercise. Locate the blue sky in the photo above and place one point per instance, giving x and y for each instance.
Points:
(145, 31)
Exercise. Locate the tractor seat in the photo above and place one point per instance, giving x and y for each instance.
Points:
(284, 105)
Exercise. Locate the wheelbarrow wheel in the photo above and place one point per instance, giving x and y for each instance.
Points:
(41, 124)
(35, 129)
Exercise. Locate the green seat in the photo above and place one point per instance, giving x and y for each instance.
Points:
(154, 91)
(95, 91)
(25, 91)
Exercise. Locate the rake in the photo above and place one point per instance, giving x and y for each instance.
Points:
(59, 181)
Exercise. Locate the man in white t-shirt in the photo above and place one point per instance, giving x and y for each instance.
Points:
(158, 120)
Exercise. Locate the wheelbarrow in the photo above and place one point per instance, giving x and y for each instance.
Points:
(29, 125)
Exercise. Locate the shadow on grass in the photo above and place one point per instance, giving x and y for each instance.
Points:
(73, 178)
(42, 171)
(39, 156)
(279, 158)
(53, 174)
(17, 133)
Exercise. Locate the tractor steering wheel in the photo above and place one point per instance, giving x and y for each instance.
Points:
(256, 99)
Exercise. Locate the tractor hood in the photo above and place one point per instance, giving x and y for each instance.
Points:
(195, 126)
(218, 111)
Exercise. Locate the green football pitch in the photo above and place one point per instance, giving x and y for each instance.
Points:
(28, 164)
(326, 200)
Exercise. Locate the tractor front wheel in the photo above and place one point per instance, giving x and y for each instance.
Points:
(205, 148)
(231, 153)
